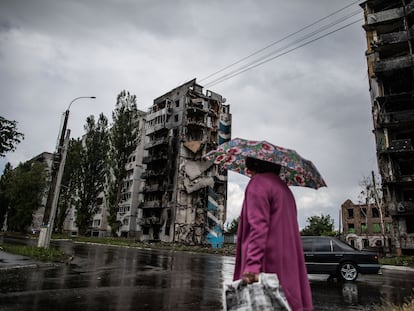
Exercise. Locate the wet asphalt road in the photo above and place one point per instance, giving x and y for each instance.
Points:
(116, 278)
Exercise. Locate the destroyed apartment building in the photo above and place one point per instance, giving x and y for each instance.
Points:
(389, 26)
(184, 197)
(170, 193)
(364, 226)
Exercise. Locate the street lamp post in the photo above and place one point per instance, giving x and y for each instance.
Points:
(56, 178)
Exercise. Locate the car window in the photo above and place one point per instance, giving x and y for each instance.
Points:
(322, 245)
(341, 246)
(307, 245)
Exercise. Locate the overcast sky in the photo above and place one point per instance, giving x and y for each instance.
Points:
(314, 99)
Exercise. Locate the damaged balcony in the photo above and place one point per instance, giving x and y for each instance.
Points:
(153, 173)
(152, 220)
(150, 204)
(393, 64)
(390, 13)
(152, 158)
(398, 119)
(156, 142)
(393, 38)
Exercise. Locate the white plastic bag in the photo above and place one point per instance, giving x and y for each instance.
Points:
(267, 294)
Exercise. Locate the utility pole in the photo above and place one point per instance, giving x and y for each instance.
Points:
(58, 167)
(46, 230)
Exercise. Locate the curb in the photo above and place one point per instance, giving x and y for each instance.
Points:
(397, 268)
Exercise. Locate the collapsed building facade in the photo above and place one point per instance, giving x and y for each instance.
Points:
(364, 226)
(184, 197)
(389, 26)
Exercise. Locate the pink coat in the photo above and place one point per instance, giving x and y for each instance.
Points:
(268, 238)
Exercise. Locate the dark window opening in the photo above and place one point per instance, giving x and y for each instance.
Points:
(409, 221)
(145, 230)
(398, 82)
(363, 212)
(408, 195)
(350, 213)
(351, 228)
(375, 212)
(407, 167)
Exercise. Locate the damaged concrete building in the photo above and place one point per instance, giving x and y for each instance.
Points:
(184, 197)
(389, 26)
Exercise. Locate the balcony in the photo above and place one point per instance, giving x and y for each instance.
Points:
(399, 145)
(158, 157)
(389, 15)
(393, 63)
(152, 173)
(150, 221)
(397, 119)
(156, 142)
(395, 37)
(151, 204)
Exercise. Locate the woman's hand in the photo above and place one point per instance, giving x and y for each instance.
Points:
(250, 277)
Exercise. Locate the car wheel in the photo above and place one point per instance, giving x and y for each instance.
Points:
(348, 271)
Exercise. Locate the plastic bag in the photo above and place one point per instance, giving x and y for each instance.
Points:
(267, 294)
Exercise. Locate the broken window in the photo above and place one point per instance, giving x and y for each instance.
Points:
(376, 228)
(363, 212)
(363, 227)
(350, 213)
(351, 228)
(375, 212)
(388, 228)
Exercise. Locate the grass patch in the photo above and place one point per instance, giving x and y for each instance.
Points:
(226, 250)
(38, 253)
(398, 261)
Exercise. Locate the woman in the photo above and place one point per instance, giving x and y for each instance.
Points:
(268, 238)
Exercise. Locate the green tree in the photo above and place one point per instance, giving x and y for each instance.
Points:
(319, 225)
(70, 182)
(124, 138)
(24, 190)
(93, 163)
(233, 226)
(4, 199)
(9, 136)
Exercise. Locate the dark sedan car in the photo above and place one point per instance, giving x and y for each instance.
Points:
(328, 255)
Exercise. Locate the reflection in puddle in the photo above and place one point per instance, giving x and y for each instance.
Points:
(350, 293)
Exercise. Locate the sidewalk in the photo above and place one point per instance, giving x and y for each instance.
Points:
(12, 261)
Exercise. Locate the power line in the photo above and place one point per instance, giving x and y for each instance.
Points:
(307, 36)
(240, 71)
(280, 40)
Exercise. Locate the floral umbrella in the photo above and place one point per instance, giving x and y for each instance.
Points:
(295, 171)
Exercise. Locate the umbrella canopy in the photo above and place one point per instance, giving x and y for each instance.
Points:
(295, 170)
